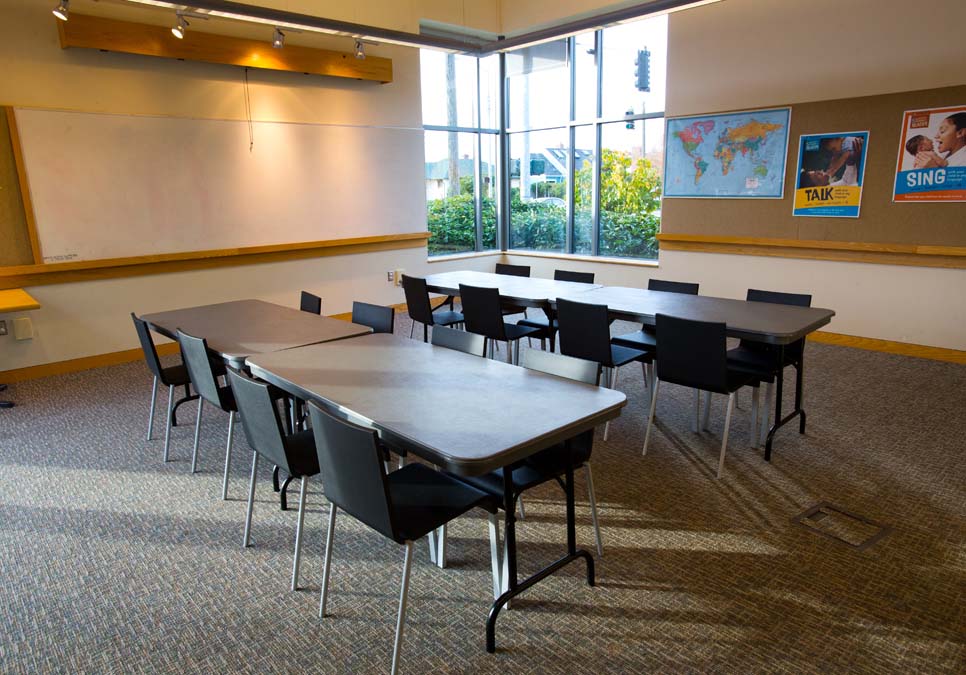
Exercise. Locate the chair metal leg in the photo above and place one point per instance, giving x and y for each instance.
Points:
(724, 438)
(650, 417)
(706, 422)
(154, 398)
(433, 546)
(593, 509)
(753, 424)
(543, 344)
(298, 536)
(412, 327)
(167, 424)
(608, 382)
(403, 599)
(766, 410)
(441, 552)
(329, 537)
(494, 520)
(246, 540)
(697, 411)
(516, 352)
(194, 453)
(509, 350)
(231, 437)
(523, 513)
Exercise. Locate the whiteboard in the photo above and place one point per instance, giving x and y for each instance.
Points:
(113, 186)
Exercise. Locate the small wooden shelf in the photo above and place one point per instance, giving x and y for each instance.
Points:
(16, 300)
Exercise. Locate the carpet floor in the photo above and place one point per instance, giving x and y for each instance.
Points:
(114, 562)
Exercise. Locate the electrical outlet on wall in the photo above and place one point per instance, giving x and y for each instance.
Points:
(390, 276)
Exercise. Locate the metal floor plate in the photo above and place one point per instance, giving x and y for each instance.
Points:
(836, 523)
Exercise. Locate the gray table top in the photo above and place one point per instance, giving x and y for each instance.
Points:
(241, 328)
(530, 291)
(758, 321)
(464, 413)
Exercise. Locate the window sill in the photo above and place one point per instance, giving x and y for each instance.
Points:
(462, 256)
(585, 258)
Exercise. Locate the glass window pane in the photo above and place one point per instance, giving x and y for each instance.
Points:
(488, 191)
(538, 85)
(621, 94)
(584, 155)
(585, 62)
(448, 88)
(490, 92)
(538, 190)
(450, 207)
(630, 189)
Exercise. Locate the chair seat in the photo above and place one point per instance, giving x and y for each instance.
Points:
(513, 309)
(303, 460)
(516, 331)
(175, 376)
(424, 499)
(542, 323)
(447, 318)
(638, 340)
(620, 355)
(761, 363)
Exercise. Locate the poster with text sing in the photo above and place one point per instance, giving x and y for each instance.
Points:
(932, 156)
(831, 168)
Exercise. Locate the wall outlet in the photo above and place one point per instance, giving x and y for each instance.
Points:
(23, 328)
(390, 276)
(3, 327)
(397, 276)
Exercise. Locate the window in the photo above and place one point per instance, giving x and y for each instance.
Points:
(586, 142)
(460, 95)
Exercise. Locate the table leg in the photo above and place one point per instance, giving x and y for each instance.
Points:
(188, 396)
(797, 412)
(515, 587)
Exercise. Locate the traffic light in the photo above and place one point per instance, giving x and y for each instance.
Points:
(643, 70)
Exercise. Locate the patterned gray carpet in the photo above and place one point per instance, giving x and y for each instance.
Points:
(112, 561)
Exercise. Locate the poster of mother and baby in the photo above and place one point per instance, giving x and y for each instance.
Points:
(932, 156)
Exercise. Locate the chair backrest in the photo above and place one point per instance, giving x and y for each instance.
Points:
(584, 331)
(580, 370)
(353, 475)
(260, 418)
(692, 353)
(417, 299)
(795, 349)
(513, 270)
(579, 277)
(147, 346)
(310, 303)
(460, 340)
(672, 286)
(197, 361)
(377, 317)
(483, 311)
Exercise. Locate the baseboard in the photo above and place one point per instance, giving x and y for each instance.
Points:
(890, 347)
(128, 355)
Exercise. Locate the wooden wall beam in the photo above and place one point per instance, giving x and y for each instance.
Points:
(94, 32)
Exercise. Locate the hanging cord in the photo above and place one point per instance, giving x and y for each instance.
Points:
(248, 113)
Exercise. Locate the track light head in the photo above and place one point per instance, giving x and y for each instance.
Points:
(360, 50)
(62, 10)
(180, 27)
(278, 39)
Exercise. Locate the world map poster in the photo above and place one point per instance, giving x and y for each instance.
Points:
(731, 155)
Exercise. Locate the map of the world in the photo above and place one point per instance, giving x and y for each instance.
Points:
(730, 155)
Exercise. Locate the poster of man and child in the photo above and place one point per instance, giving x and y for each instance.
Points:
(830, 172)
(932, 156)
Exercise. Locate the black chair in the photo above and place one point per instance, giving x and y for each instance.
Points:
(171, 377)
(509, 308)
(766, 361)
(404, 505)
(483, 316)
(548, 324)
(420, 309)
(204, 376)
(310, 303)
(10, 404)
(381, 319)
(644, 338)
(460, 340)
(694, 354)
(294, 454)
(550, 464)
(585, 334)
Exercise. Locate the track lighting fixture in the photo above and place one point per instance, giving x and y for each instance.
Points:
(278, 39)
(62, 10)
(180, 27)
(360, 50)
